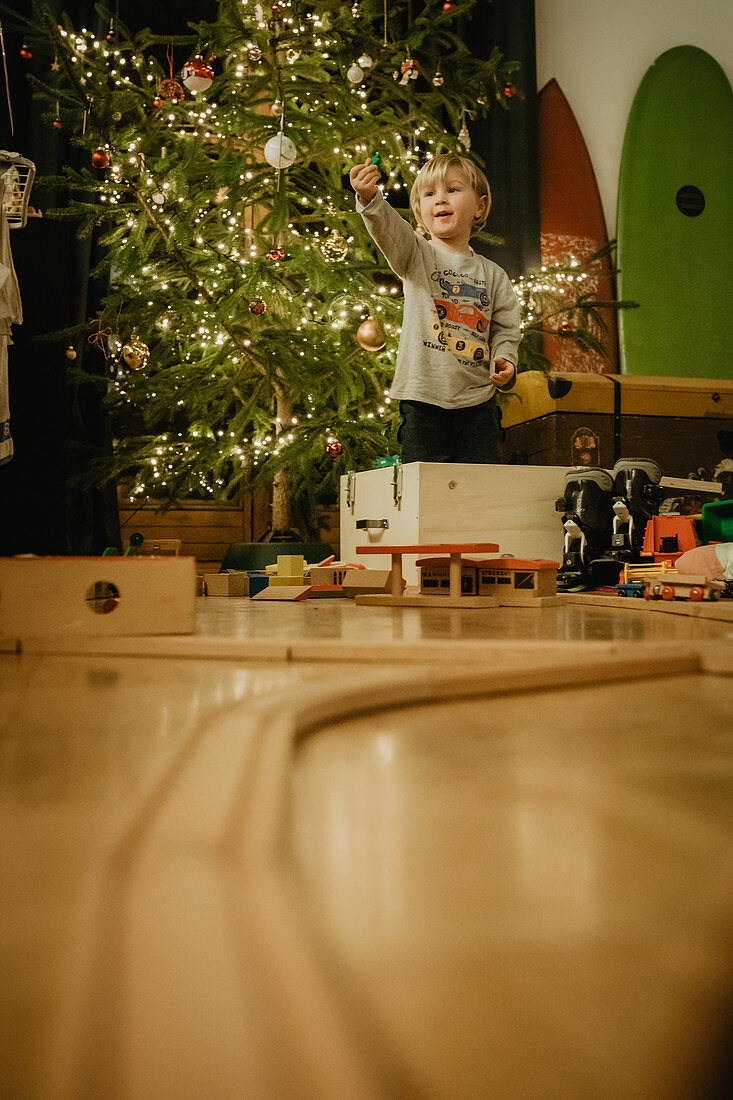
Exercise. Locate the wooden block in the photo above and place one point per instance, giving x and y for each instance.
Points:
(358, 582)
(327, 574)
(226, 584)
(286, 580)
(96, 596)
(290, 565)
(283, 592)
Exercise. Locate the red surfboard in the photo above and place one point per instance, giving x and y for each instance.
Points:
(572, 223)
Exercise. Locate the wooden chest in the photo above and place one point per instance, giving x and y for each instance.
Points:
(684, 424)
(443, 502)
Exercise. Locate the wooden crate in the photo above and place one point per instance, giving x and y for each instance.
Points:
(684, 424)
(445, 502)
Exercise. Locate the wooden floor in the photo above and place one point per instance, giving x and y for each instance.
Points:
(318, 850)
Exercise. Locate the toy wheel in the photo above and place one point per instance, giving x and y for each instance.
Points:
(639, 595)
(621, 592)
(667, 592)
(696, 594)
(714, 594)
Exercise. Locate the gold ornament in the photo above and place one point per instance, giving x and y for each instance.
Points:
(70, 353)
(335, 246)
(370, 335)
(135, 352)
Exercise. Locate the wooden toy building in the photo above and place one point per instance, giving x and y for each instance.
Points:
(507, 578)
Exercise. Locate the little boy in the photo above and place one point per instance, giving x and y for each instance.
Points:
(460, 329)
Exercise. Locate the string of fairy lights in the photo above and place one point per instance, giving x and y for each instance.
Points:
(227, 249)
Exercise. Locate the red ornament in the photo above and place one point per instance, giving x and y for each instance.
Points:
(157, 102)
(197, 74)
(448, 6)
(56, 124)
(334, 449)
(25, 52)
(171, 89)
(258, 307)
(100, 158)
(509, 90)
(276, 253)
(277, 10)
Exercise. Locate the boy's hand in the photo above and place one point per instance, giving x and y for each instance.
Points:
(502, 373)
(364, 178)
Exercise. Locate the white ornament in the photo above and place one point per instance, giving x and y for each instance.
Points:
(365, 61)
(280, 151)
(464, 137)
(355, 74)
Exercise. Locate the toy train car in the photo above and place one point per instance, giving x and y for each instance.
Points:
(682, 586)
(631, 589)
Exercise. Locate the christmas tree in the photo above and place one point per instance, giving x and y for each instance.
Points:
(250, 326)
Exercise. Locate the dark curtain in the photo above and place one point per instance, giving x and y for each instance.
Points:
(507, 140)
(57, 427)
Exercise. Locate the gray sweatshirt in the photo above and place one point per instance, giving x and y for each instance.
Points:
(460, 313)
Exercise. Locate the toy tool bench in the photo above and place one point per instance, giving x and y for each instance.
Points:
(454, 597)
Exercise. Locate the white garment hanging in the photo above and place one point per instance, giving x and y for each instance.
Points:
(11, 313)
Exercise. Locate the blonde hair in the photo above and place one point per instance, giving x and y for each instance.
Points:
(437, 169)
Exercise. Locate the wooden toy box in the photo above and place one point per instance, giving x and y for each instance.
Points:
(436, 502)
(102, 596)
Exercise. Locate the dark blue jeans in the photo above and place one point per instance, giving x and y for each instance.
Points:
(431, 434)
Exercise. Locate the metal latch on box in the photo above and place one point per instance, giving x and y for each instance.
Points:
(397, 483)
(366, 524)
(350, 488)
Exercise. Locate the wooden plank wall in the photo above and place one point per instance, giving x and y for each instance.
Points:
(208, 528)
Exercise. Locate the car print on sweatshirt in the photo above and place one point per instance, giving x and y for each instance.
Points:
(464, 349)
(461, 314)
(461, 290)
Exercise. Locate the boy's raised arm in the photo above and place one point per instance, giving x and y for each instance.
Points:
(394, 236)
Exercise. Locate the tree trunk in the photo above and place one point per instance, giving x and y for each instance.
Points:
(280, 502)
(281, 481)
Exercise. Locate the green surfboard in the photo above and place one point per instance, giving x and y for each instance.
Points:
(675, 221)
